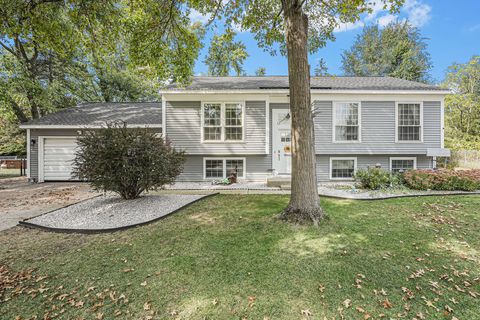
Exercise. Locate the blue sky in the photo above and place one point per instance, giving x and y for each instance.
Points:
(451, 29)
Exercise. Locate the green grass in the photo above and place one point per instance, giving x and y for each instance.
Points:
(9, 173)
(229, 257)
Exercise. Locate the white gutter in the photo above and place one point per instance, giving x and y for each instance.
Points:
(40, 126)
(313, 91)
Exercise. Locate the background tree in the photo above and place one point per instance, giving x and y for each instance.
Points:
(462, 108)
(398, 50)
(260, 72)
(226, 55)
(321, 68)
(55, 54)
(143, 161)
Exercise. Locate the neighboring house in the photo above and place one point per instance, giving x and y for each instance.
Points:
(244, 122)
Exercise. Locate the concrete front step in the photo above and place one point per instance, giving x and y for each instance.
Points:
(286, 187)
(279, 181)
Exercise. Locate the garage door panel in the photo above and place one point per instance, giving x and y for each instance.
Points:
(58, 155)
(59, 149)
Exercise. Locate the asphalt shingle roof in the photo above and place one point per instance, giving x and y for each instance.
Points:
(97, 114)
(281, 82)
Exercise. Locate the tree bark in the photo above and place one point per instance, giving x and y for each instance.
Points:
(304, 205)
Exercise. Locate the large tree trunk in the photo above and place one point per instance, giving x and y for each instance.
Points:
(304, 203)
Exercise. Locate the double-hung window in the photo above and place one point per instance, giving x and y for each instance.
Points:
(402, 164)
(346, 122)
(220, 168)
(409, 122)
(223, 121)
(343, 168)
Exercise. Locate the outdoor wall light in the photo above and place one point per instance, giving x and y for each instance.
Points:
(33, 141)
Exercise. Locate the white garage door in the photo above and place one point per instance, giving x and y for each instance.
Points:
(58, 154)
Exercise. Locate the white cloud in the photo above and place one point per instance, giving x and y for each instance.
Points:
(347, 26)
(418, 13)
(196, 16)
(383, 21)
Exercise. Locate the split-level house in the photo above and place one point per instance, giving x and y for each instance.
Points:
(224, 123)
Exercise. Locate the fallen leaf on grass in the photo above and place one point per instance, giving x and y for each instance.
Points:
(306, 313)
(251, 301)
(347, 303)
(387, 304)
(147, 306)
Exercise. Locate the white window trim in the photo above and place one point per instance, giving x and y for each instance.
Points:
(396, 121)
(334, 137)
(404, 158)
(224, 166)
(222, 121)
(342, 158)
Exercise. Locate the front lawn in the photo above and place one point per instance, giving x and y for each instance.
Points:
(228, 257)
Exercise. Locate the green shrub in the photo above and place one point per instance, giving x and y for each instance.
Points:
(127, 161)
(444, 179)
(376, 178)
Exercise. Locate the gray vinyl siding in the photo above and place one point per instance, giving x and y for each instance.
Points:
(35, 133)
(365, 161)
(377, 130)
(257, 168)
(183, 128)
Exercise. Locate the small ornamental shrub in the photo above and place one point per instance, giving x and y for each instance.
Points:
(127, 161)
(444, 179)
(377, 178)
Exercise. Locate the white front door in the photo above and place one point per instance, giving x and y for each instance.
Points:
(281, 141)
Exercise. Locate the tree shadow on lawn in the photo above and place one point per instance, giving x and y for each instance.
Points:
(245, 262)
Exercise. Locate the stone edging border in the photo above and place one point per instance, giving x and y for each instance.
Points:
(459, 193)
(26, 224)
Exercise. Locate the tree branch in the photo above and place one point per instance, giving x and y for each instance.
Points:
(275, 19)
(8, 48)
(17, 110)
(215, 13)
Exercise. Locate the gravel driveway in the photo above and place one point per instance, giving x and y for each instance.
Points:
(20, 200)
(110, 212)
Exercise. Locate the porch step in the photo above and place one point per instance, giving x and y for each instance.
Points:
(278, 181)
(286, 187)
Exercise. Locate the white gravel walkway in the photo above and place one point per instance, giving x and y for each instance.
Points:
(209, 186)
(348, 191)
(110, 212)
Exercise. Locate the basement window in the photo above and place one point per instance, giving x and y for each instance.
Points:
(221, 168)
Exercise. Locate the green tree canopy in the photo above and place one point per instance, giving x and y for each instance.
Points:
(462, 108)
(321, 68)
(260, 72)
(226, 55)
(398, 50)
